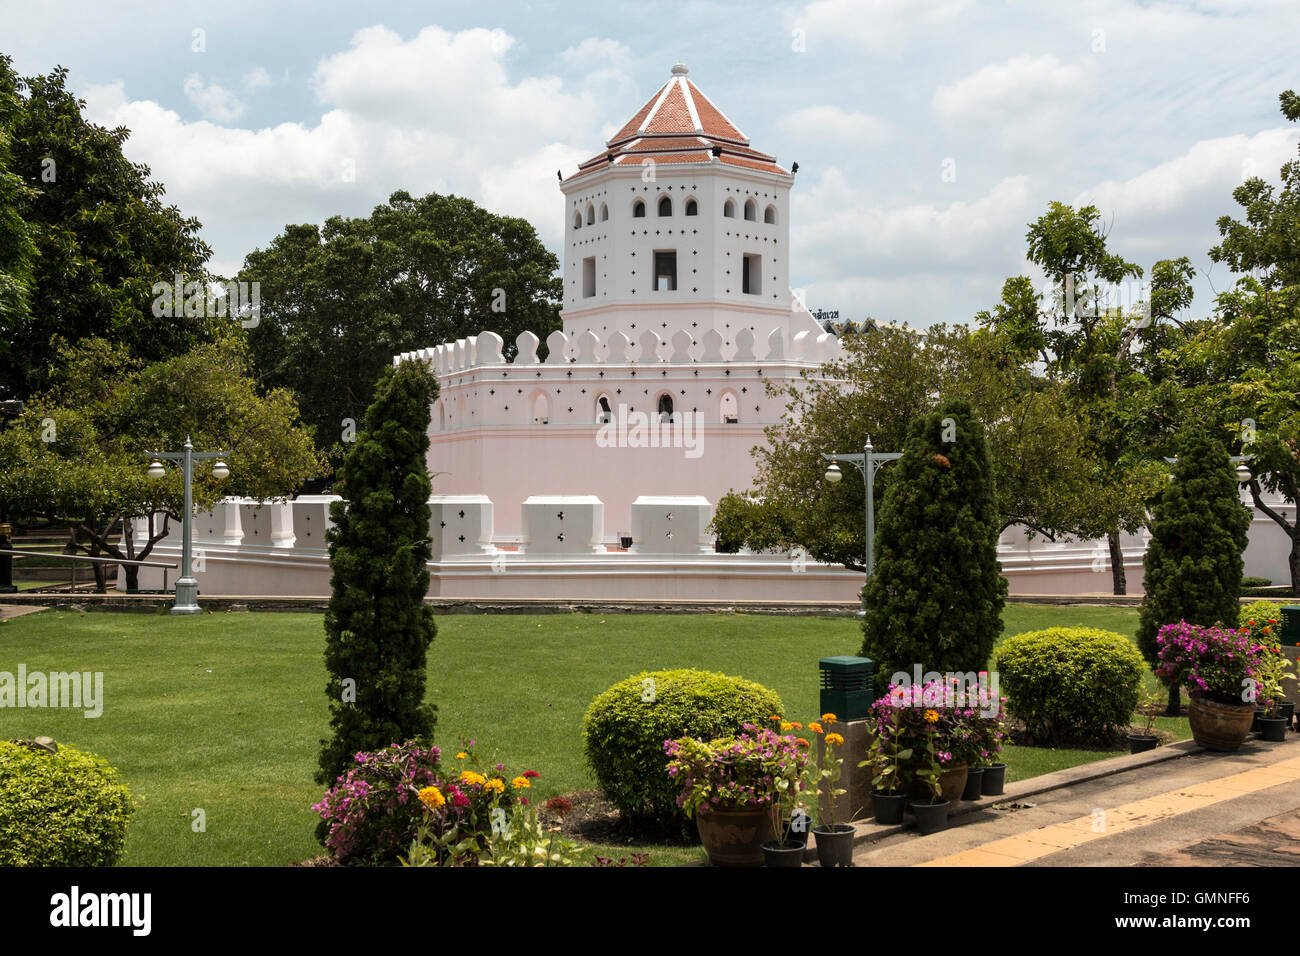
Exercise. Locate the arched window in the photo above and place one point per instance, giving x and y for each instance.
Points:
(665, 206)
(729, 408)
(638, 209)
(591, 214)
(604, 212)
(751, 210)
(577, 219)
(442, 416)
(729, 209)
(541, 407)
(692, 207)
(604, 413)
(769, 215)
(665, 407)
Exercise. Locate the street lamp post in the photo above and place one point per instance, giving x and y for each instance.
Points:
(869, 462)
(187, 588)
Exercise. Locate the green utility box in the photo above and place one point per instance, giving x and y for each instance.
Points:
(1291, 624)
(847, 686)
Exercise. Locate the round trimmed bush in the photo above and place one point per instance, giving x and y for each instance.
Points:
(625, 728)
(60, 809)
(1071, 684)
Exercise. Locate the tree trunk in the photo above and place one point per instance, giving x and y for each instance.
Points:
(1117, 563)
(1294, 559)
(1175, 701)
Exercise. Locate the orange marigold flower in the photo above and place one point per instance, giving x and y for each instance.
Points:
(787, 726)
(796, 725)
(834, 739)
(828, 718)
(473, 779)
(496, 785)
(520, 783)
(815, 728)
(931, 716)
(432, 798)
(800, 742)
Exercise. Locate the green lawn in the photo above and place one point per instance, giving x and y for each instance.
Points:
(224, 711)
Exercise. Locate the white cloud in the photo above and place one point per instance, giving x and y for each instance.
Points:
(213, 102)
(831, 122)
(593, 50)
(881, 26)
(256, 78)
(435, 112)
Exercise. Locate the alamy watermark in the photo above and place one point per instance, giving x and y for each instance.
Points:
(82, 690)
(976, 690)
(235, 300)
(631, 429)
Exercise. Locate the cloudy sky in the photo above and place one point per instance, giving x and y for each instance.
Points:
(928, 132)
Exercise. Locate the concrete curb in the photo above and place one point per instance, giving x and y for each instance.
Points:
(868, 832)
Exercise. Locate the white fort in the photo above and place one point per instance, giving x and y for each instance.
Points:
(589, 469)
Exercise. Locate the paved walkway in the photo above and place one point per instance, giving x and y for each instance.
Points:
(8, 611)
(1201, 808)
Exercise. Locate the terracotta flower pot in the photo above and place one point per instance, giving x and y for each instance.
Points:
(735, 837)
(1221, 727)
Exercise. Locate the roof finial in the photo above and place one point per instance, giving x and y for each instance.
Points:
(679, 69)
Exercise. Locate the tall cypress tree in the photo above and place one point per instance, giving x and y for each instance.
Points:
(1193, 565)
(937, 593)
(377, 627)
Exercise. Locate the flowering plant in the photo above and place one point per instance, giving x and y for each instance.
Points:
(758, 768)
(1214, 663)
(819, 781)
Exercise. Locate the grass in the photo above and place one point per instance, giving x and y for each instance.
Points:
(224, 712)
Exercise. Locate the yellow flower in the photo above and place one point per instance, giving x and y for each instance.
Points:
(472, 778)
(519, 783)
(815, 728)
(495, 785)
(432, 798)
(828, 718)
(931, 716)
(462, 755)
(834, 739)
(787, 726)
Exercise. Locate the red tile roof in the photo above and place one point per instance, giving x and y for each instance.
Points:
(679, 124)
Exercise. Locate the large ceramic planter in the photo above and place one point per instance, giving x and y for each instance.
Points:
(835, 844)
(735, 837)
(1221, 727)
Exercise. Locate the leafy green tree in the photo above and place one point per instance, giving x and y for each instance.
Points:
(339, 302)
(885, 378)
(378, 628)
(1243, 370)
(937, 592)
(1193, 564)
(76, 456)
(1107, 360)
(95, 238)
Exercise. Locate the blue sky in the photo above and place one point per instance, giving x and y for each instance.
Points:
(928, 134)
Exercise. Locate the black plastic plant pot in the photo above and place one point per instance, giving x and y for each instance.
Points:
(1286, 710)
(1141, 743)
(931, 817)
(974, 784)
(994, 779)
(1254, 724)
(799, 827)
(789, 853)
(835, 844)
(1272, 729)
(887, 808)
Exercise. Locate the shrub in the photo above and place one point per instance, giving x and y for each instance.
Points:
(625, 728)
(1251, 581)
(936, 595)
(1262, 620)
(60, 809)
(1215, 663)
(377, 626)
(1071, 684)
(1193, 564)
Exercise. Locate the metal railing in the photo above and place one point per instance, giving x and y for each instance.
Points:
(74, 558)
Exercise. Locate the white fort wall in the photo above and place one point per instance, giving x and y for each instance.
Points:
(670, 557)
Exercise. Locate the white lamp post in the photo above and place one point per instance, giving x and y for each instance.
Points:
(869, 462)
(187, 588)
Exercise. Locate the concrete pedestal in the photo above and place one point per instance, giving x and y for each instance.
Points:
(855, 802)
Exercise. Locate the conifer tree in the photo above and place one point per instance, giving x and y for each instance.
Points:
(377, 627)
(1193, 565)
(937, 593)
